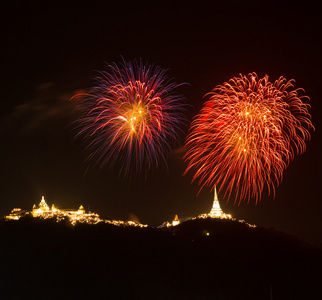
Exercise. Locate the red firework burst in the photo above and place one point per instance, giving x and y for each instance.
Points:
(246, 135)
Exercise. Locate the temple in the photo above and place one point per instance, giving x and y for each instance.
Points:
(216, 211)
(176, 221)
(43, 211)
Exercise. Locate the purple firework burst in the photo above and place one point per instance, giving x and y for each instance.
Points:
(132, 117)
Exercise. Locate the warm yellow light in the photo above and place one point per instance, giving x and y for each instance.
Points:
(217, 213)
(176, 221)
(73, 216)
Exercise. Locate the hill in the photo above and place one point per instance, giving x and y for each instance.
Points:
(198, 259)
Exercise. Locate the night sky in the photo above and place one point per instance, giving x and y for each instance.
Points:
(50, 53)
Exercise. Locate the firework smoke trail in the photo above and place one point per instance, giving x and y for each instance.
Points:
(132, 118)
(246, 135)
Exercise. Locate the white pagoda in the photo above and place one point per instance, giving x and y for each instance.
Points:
(216, 211)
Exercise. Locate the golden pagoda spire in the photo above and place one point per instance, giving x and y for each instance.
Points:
(175, 221)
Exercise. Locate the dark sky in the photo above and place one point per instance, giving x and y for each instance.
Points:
(49, 53)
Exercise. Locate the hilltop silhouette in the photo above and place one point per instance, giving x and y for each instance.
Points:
(198, 259)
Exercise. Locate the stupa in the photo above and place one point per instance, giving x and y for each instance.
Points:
(216, 211)
(176, 221)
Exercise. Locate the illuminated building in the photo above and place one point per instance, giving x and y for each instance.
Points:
(43, 211)
(216, 211)
(16, 214)
(175, 221)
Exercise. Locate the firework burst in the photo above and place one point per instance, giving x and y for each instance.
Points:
(132, 117)
(246, 135)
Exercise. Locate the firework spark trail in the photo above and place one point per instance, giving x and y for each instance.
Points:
(132, 117)
(246, 134)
